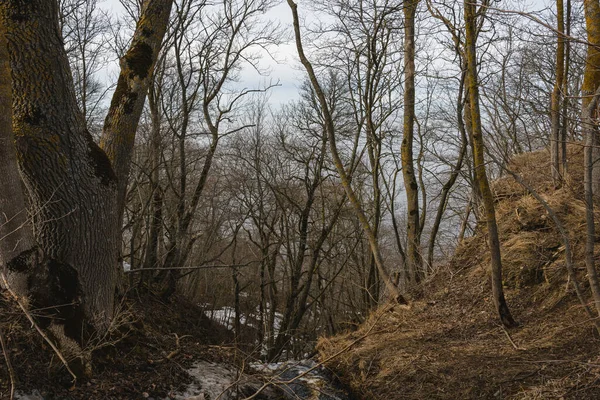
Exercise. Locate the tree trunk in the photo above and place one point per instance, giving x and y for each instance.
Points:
(479, 165)
(71, 184)
(137, 66)
(16, 235)
(345, 181)
(70, 181)
(589, 131)
(565, 93)
(155, 220)
(591, 81)
(556, 99)
(413, 255)
(453, 176)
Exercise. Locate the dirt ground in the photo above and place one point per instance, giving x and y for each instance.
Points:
(142, 360)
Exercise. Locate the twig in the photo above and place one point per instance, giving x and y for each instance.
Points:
(177, 346)
(192, 268)
(511, 341)
(11, 372)
(173, 353)
(37, 328)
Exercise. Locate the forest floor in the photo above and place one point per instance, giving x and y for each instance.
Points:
(450, 345)
(147, 357)
(447, 345)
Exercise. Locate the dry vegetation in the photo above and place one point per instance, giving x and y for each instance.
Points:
(148, 355)
(449, 345)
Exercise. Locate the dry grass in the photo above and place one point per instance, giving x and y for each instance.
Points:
(450, 346)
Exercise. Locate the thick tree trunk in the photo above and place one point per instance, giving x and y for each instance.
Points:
(71, 184)
(413, 254)
(16, 234)
(479, 165)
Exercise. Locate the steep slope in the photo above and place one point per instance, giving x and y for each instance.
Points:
(449, 345)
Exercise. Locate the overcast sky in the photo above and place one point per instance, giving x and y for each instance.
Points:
(284, 66)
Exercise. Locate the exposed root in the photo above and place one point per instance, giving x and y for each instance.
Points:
(38, 329)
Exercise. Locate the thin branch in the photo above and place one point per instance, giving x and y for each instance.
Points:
(11, 372)
(193, 268)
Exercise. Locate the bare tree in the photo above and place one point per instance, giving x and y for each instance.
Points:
(341, 169)
(470, 15)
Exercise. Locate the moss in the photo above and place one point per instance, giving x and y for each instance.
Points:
(102, 166)
(139, 60)
(19, 11)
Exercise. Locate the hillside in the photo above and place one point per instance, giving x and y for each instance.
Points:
(449, 345)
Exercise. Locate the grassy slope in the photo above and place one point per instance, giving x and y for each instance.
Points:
(449, 345)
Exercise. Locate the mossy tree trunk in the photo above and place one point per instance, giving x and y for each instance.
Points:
(71, 270)
(16, 235)
(556, 144)
(70, 180)
(470, 15)
(137, 66)
(591, 81)
(414, 260)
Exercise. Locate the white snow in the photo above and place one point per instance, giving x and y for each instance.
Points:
(211, 381)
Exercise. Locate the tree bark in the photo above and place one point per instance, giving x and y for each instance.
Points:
(556, 100)
(591, 81)
(137, 66)
(16, 234)
(565, 92)
(413, 255)
(589, 128)
(70, 181)
(470, 14)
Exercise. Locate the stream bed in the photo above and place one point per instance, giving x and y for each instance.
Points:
(303, 379)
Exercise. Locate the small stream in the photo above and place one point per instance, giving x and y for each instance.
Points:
(287, 380)
(292, 380)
